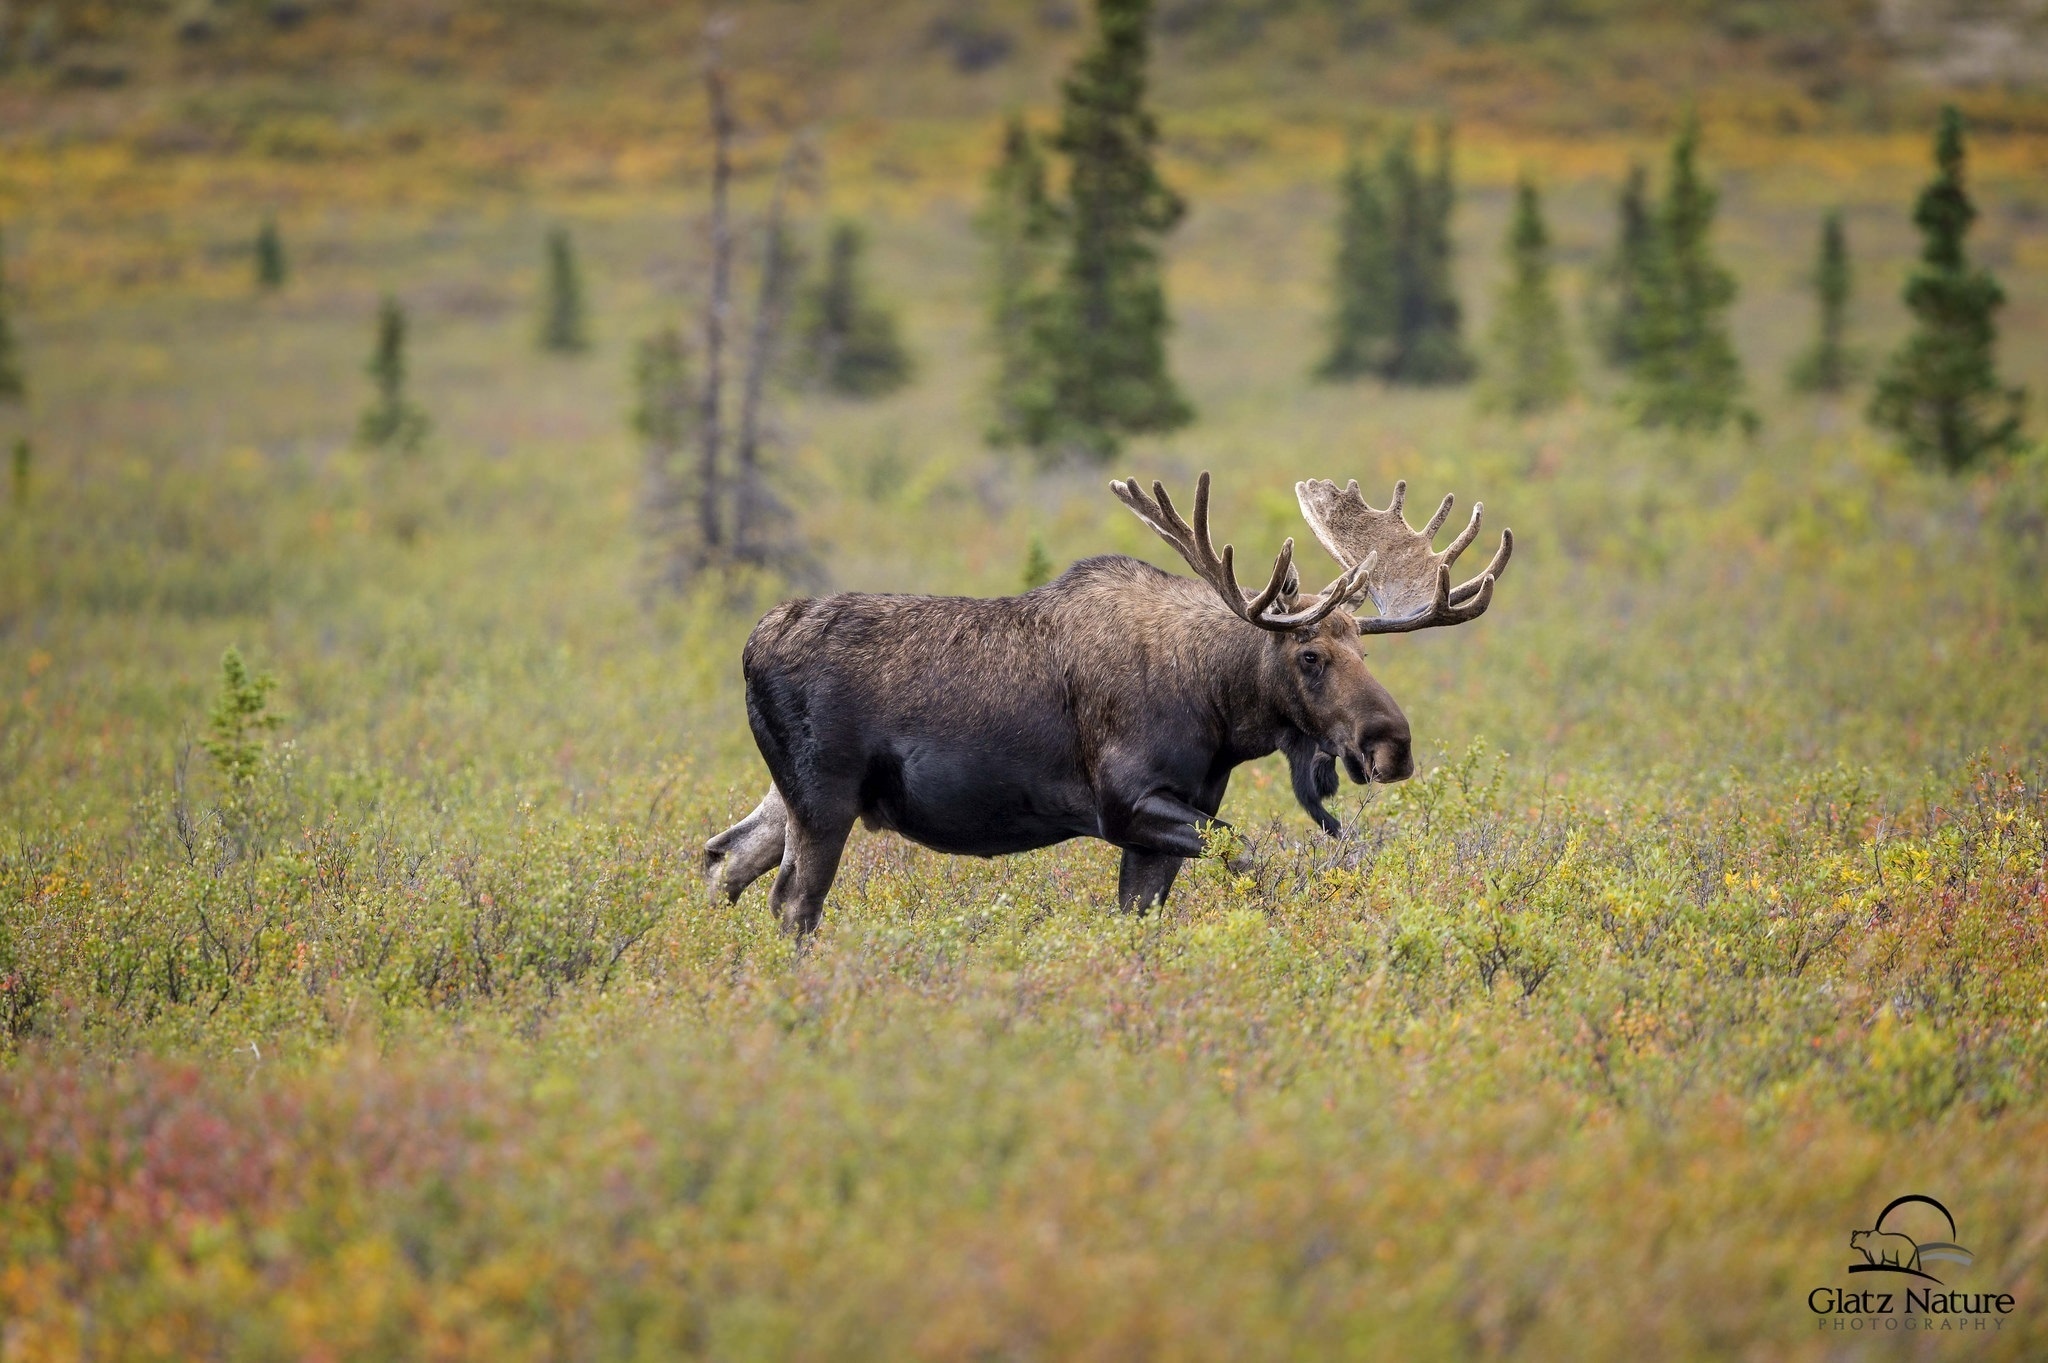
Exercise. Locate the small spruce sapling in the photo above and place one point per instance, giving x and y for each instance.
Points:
(1530, 369)
(1037, 565)
(391, 421)
(1825, 368)
(562, 328)
(664, 404)
(13, 387)
(240, 719)
(24, 456)
(850, 340)
(1940, 392)
(664, 417)
(270, 267)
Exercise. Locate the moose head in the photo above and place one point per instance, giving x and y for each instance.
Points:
(1314, 661)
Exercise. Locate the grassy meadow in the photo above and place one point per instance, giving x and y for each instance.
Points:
(1715, 918)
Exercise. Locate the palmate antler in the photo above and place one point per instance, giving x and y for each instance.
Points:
(1410, 583)
(1218, 570)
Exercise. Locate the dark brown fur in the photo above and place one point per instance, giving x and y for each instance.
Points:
(1113, 702)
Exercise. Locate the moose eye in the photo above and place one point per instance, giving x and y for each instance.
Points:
(1311, 660)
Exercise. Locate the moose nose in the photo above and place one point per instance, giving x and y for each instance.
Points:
(1387, 754)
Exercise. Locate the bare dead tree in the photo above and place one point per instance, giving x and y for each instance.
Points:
(718, 510)
(753, 504)
(711, 429)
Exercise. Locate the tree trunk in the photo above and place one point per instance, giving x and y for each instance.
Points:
(711, 431)
(750, 500)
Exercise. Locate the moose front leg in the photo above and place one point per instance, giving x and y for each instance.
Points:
(1158, 831)
(1145, 879)
(1159, 821)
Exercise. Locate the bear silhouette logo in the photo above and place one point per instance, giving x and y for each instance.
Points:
(1887, 1251)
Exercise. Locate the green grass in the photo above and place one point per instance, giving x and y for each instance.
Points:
(1713, 922)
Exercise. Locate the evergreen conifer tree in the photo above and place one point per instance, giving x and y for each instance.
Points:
(24, 458)
(664, 417)
(240, 718)
(562, 325)
(850, 341)
(1940, 392)
(1687, 375)
(1362, 320)
(1427, 346)
(270, 268)
(1037, 565)
(13, 387)
(1825, 367)
(663, 399)
(1020, 228)
(1102, 335)
(391, 421)
(1617, 314)
(1530, 369)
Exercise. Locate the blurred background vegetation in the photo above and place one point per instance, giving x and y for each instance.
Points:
(359, 998)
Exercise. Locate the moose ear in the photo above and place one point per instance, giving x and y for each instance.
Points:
(1290, 589)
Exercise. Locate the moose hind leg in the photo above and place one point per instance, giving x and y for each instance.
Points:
(1144, 879)
(810, 861)
(749, 849)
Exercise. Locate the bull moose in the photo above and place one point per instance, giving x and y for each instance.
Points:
(1113, 702)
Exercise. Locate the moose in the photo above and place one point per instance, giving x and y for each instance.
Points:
(1113, 702)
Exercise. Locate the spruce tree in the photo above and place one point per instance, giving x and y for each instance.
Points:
(1619, 303)
(1825, 367)
(13, 387)
(1103, 333)
(270, 268)
(1688, 375)
(1020, 228)
(562, 325)
(664, 417)
(24, 458)
(1427, 346)
(850, 341)
(1439, 355)
(664, 402)
(1362, 320)
(1940, 392)
(240, 718)
(1037, 565)
(391, 421)
(1530, 369)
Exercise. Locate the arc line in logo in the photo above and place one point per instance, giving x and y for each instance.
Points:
(1899, 1202)
(1891, 1252)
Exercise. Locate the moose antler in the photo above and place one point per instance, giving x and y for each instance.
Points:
(1409, 582)
(1218, 571)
